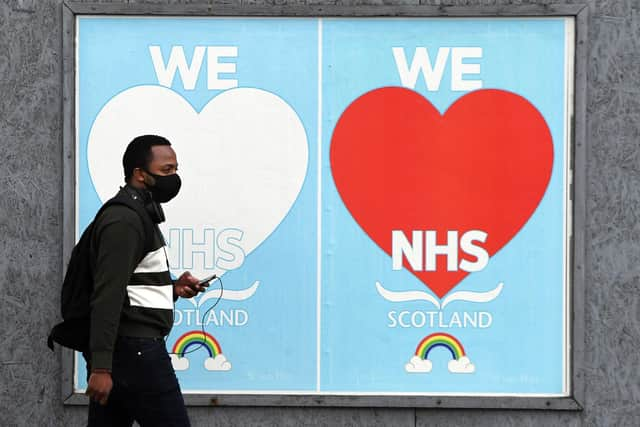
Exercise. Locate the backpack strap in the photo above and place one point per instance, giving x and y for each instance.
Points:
(126, 198)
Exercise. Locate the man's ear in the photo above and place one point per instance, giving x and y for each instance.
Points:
(138, 176)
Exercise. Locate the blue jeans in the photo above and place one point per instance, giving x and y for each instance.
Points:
(145, 388)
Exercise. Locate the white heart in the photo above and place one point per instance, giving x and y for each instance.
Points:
(242, 159)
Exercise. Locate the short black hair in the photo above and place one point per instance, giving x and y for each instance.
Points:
(138, 153)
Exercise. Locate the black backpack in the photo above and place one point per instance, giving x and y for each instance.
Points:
(73, 331)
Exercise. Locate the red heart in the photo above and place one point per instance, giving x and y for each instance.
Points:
(399, 164)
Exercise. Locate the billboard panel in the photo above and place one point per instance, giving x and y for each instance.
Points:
(385, 200)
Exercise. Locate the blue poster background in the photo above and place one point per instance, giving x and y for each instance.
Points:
(276, 349)
(522, 352)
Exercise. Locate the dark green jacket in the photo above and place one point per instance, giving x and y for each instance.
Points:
(129, 298)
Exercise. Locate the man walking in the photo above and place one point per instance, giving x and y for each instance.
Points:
(130, 373)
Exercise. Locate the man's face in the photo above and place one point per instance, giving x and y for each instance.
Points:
(163, 162)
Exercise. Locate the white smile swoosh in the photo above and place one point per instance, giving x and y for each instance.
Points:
(403, 296)
(229, 294)
(468, 296)
(474, 296)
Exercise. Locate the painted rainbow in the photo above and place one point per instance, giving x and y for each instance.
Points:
(197, 338)
(440, 339)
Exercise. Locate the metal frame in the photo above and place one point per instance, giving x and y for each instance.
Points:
(573, 402)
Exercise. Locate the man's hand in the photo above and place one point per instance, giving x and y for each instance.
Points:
(99, 387)
(187, 286)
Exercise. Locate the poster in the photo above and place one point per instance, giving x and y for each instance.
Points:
(384, 200)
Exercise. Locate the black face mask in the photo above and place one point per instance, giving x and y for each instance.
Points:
(165, 188)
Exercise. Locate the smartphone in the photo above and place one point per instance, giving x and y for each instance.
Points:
(206, 280)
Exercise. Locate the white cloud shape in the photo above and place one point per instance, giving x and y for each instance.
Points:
(220, 363)
(418, 365)
(461, 366)
(179, 363)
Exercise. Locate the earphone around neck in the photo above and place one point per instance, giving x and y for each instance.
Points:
(152, 207)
